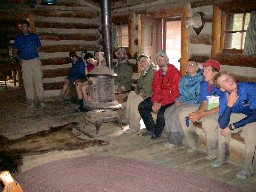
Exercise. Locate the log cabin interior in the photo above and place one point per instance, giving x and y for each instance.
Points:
(144, 26)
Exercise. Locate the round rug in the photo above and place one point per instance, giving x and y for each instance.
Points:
(100, 173)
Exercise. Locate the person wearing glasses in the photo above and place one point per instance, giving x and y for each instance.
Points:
(77, 71)
(237, 112)
(165, 87)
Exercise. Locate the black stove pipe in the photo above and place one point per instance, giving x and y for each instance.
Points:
(106, 29)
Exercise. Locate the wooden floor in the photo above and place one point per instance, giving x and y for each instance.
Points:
(19, 121)
(144, 149)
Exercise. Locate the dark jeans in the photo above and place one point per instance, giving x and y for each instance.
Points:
(145, 109)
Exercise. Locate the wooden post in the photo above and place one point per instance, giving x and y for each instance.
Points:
(131, 35)
(139, 40)
(31, 20)
(223, 27)
(185, 38)
(216, 30)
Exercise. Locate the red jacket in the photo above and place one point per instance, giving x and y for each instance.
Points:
(166, 88)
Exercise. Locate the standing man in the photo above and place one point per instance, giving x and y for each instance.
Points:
(25, 47)
(237, 112)
(165, 87)
(202, 114)
(124, 71)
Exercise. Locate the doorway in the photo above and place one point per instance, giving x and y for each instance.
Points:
(172, 40)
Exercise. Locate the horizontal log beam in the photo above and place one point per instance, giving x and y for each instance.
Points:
(199, 58)
(67, 48)
(205, 39)
(238, 6)
(236, 60)
(89, 15)
(56, 73)
(58, 37)
(55, 61)
(53, 86)
(174, 11)
(244, 79)
(66, 25)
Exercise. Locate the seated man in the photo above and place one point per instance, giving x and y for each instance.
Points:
(77, 71)
(202, 114)
(237, 112)
(82, 83)
(189, 87)
(142, 91)
(124, 71)
(165, 91)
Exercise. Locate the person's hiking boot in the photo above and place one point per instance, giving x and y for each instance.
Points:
(129, 131)
(41, 104)
(218, 163)
(169, 145)
(245, 174)
(211, 157)
(192, 149)
(154, 136)
(81, 109)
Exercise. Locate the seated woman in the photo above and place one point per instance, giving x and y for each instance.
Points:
(189, 86)
(77, 71)
(82, 83)
(142, 91)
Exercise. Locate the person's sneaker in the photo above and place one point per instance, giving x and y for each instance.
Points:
(125, 121)
(169, 145)
(211, 157)
(245, 174)
(81, 110)
(192, 149)
(129, 131)
(154, 136)
(218, 163)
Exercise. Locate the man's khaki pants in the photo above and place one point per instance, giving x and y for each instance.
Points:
(132, 112)
(209, 125)
(249, 135)
(32, 79)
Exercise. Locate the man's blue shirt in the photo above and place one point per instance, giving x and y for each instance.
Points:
(245, 104)
(208, 90)
(189, 87)
(27, 46)
(77, 70)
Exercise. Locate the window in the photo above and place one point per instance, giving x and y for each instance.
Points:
(122, 36)
(235, 32)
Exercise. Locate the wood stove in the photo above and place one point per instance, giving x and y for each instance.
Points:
(102, 101)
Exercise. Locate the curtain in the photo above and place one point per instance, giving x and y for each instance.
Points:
(250, 39)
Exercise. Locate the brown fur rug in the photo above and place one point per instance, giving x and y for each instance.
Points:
(55, 139)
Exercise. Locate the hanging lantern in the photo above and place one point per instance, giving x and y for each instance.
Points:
(48, 2)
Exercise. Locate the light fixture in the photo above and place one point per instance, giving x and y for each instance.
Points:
(197, 21)
(48, 2)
